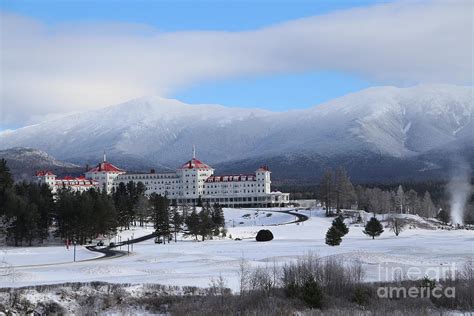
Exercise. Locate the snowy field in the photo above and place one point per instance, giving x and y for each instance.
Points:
(188, 262)
(26, 256)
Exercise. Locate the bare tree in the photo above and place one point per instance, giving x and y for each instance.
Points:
(218, 287)
(396, 225)
(326, 189)
(400, 199)
(243, 275)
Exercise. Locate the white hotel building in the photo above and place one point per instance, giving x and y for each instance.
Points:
(77, 184)
(195, 180)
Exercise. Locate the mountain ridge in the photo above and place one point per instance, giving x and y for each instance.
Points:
(397, 123)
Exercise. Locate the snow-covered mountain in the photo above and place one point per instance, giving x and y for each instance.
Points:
(395, 123)
(24, 162)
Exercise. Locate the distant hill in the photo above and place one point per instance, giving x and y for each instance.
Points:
(24, 162)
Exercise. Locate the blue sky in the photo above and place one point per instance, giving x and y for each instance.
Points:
(277, 92)
(174, 15)
(62, 57)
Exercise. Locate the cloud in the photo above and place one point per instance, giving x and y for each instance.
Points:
(77, 67)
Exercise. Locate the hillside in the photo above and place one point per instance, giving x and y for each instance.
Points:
(378, 133)
(24, 162)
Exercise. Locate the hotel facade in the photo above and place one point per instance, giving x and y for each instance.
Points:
(191, 182)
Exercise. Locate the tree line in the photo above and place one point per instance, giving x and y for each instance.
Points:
(336, 192)
(30, 212)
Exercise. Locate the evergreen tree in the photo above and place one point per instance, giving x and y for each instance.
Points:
(17, 210)
(443, 216)
(373, 228)
(192, 223)
(217, 217)
(206, 224)
(412, 202)
(27, 207)
(339, 224)
(142, 210)
(84, 216)
(176, 222)
(6, 179)
(333, 236)
(161, 216)
(199, 202)
(429, 210)
(120, 197)
(6, 184)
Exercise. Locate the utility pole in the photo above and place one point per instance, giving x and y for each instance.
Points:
(74, 250)
(128, 246)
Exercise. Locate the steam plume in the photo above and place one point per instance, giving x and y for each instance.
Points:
(459, 189)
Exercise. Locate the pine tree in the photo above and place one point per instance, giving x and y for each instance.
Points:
(340, 225)
(429, 210)
(161, 216)
(142, 210)
(199, 202)
(412, 202)
(120, 197)
(333, 236)
(443, 216)
(205, 222)
(192, 223)
(6, 184)
(6, 179)
(176, 222)
(373, 228)
(218, 220)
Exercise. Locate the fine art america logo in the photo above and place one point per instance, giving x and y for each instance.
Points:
(416, 282)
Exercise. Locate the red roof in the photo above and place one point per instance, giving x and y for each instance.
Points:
(107, 167)
(43, 173)
(195, 164)
(263, 168)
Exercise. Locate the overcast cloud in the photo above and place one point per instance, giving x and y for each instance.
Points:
(76, 67)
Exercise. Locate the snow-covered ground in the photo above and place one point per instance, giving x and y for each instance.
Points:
(26, 256)
(188, 262)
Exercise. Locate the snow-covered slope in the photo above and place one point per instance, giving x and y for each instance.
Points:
(24, 162)
(387, 121)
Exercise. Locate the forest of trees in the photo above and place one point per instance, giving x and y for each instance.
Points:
(30, 213)
(337, 192)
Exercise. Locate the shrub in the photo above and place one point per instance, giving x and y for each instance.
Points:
(362, 295)
(264, 235)
(333, 236)
(373, 228)
(312, 294)
(340, 225)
